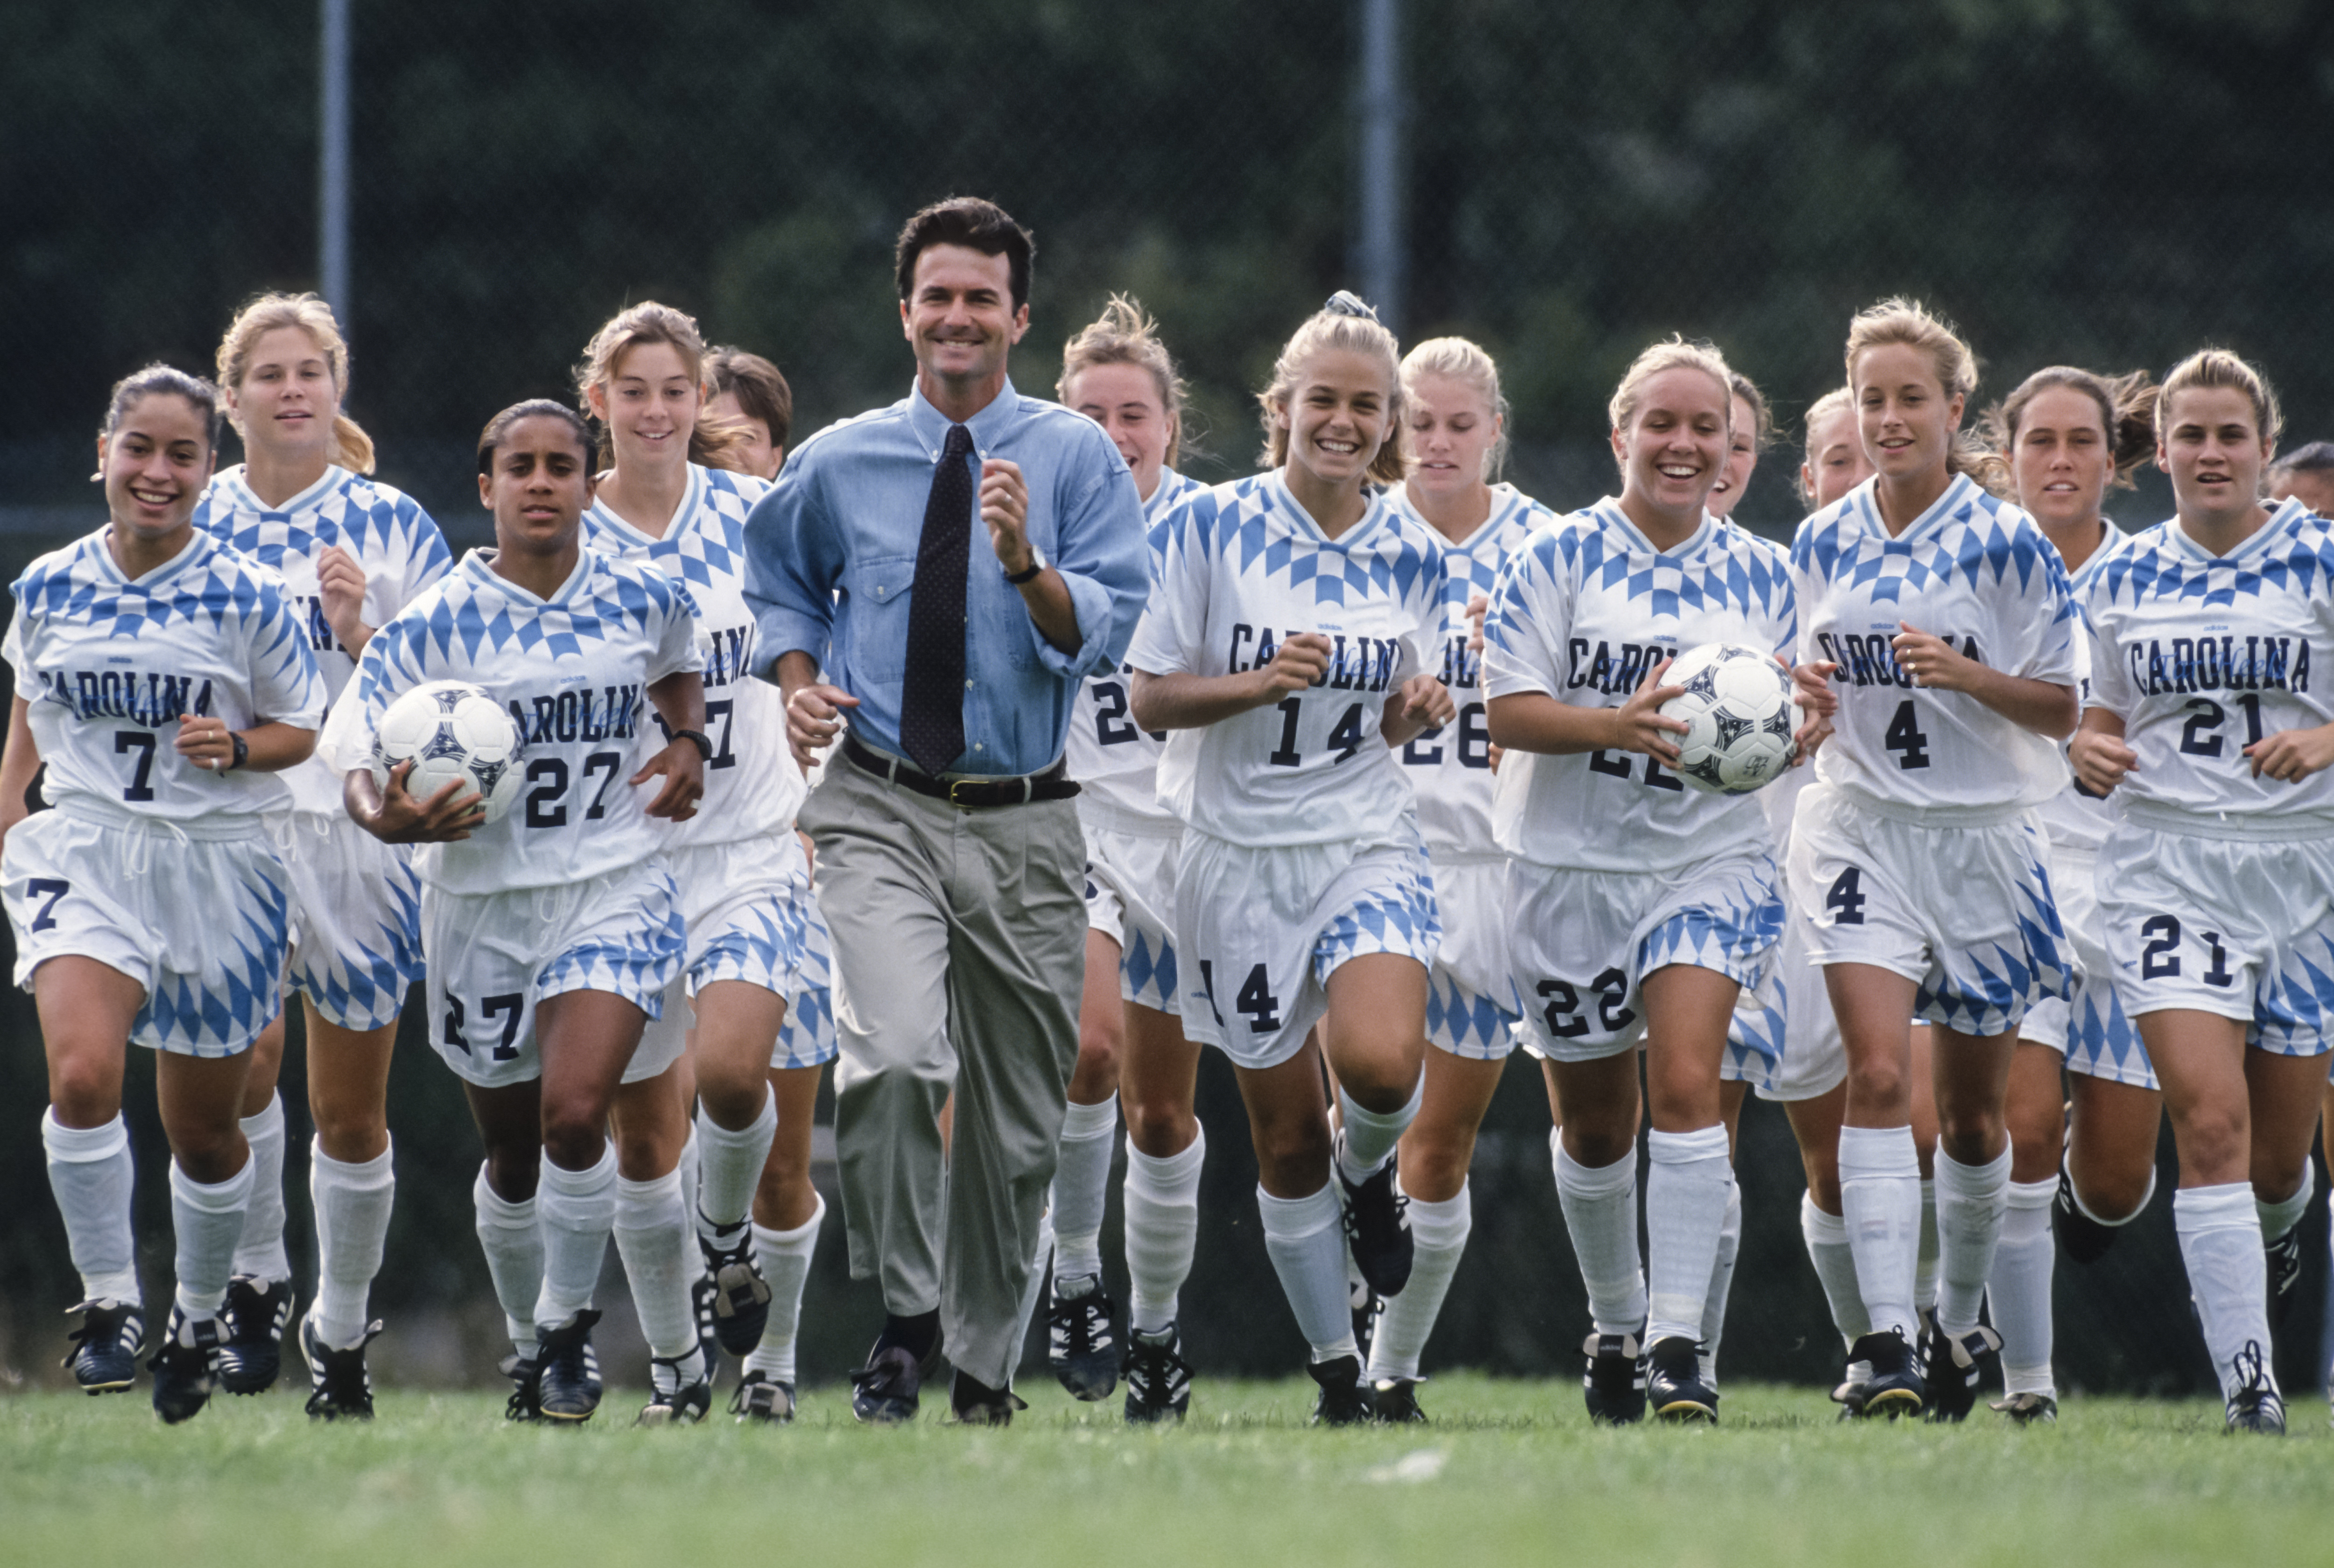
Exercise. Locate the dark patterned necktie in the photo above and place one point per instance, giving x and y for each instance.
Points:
(931, 698)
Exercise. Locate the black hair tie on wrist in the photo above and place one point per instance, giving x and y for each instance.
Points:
(242, 751)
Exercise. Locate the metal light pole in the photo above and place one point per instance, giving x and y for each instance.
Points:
(1379, 247)
(332, 161)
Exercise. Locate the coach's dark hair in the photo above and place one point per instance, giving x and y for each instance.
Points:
(2126, 406)
(533, 408)
(159, 379)
(2318, 457)
(975, 224)
(762, 393)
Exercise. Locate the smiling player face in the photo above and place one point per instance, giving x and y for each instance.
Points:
(1906, 419)
(154, 467)
(1673, 448)
(1452, 433)
(1742, 457)
(2061, 462)
(1123, 399)
(2214, 451)
(286, 402)
(539, 487)
(1337, 417)
(650, 404)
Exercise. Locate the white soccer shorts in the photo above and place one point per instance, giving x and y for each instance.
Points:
(1472, 1010)
(1131, 899)
(1813, 1058)
(1966, 913)
(751, 916)
(2240, 928)
(356, 918)
(2090, 1028)
(1581, 944)
(196, 911)
(494, 958)
(1259, 932)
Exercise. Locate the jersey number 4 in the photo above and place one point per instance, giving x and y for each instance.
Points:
(1904, 737)
(1346, 737)
(1255, 999)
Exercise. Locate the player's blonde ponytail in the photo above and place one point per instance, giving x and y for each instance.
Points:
(351, 447)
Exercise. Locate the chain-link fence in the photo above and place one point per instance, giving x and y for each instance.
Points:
(2105, 184)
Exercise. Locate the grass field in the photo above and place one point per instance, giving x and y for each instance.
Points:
(1510, 1473)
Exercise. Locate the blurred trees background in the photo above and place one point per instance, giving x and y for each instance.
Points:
(2107, 182)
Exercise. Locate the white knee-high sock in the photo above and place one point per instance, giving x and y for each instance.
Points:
(2221, 1243)
(1722, 1283)
(1163, 1229)
(1081, 1186)
(661, 1260)
(1924, 1260)
(259, 1253)
(511, 1234)
(90, 1175)
(1970, 1201)
(1835, 1264)
(1371, 1135)
(1306, 1239)
(577, 1209)
(1600, 1210)
(1880, 1199)
(786, 1257)
(730, 1167)
(2019, 1288)
(1686, 1190)
(208, 1222)
(1438, 1236)
(2279, 1218)
(353, 1203)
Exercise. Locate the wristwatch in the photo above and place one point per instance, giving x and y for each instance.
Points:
(704, 746)
(1029, 573)
(242, 751)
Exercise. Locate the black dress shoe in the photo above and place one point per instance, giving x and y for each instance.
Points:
(975, 1404)
(884, 1392)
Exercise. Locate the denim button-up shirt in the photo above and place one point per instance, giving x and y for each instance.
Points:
(831, 569)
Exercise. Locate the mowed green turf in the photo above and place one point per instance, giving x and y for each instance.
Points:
(1511, 1472)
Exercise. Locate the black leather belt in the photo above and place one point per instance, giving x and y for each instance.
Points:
(966, 794)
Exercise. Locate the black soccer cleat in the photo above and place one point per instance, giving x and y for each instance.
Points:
(567, 1376)
(2284, 1257)
(339, 1387)
(1849, 1395)
(680, 1390)
(1393, 1402)
(1614, 1383)
(104, 1357)
(1158, 1379)
(2256, 1406)
(1376, 1228)
(887, 1391)
(1674, 1388)
(2028, 1410)
(256, 1313)
(1954, 1366)
(973, 1403)
(2085, 1239)
(1345, 1399)
(733, 1287)
(1895, 1386)
(1080, 1344)
(185, 1367)
(526, 1373)
(760, 1400)
(1368, 1306)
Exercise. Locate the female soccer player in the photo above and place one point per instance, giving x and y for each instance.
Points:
(1287, 643)
(165, 682)
(757, 975)
(1834, 461)
(750, 397)
(354, 552)
(2216, 880)
(552, 934)
(1636, 908)
(2069, 437)
(1118, 373)
(1942, 617)
(1458, 436)
(1754, 431)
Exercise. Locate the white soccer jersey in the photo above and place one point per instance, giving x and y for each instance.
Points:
(1114, 760)
(394, 541)
(2074, 818)
(573, 670)
(1235, 569)
(1451, 767)
(1973, 570)
(109, 664)
(752, 787)
(2202, 655)
(1583, 613)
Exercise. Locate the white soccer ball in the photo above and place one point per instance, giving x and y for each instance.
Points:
(1742, 714)
(454, 732)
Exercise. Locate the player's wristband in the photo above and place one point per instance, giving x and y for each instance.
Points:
(704, 746)
(242, 751)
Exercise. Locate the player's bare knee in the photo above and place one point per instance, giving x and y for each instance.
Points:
(2036, 1135)
(733, 1101)
(209, 1151)
(2112, 1194)
(1596, 1142)
(1435, 1168)
(513, 1171)
(1973, 1137)
(85, 1091)
(1291, 1149)
(1160, 1129)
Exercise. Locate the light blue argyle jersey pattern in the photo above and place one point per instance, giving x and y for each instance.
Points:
(1734, 935)
(1584, 613)
(638, 963)
(1987, 992)
(780, 943)
(360, 955)
(2293, 1009)
(2101, 1042)
(705, 546)
(2202, 654)
(219, 1012)
(109, 664)
(1398, 915)
(394, 541)
(1146, 969)
(1467, 1022)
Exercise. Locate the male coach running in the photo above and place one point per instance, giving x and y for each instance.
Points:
(951, 863)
